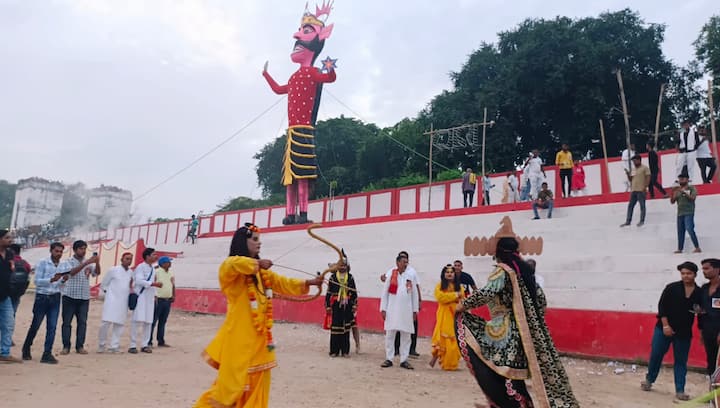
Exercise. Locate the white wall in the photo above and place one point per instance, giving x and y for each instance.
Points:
(588, 262)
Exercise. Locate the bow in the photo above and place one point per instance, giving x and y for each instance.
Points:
(331, 268)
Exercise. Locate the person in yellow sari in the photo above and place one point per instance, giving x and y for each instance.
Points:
(448, 293)
(242, 350)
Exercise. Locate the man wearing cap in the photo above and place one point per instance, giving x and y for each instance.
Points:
(165, 297)
(639, 179)
(684, 194)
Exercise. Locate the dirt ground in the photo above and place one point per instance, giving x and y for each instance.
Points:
(306, 376)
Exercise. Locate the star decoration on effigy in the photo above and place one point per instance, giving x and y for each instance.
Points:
(486, 246)
(328, 64)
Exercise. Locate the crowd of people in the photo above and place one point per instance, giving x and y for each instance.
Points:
(62, 289)
(693, 150)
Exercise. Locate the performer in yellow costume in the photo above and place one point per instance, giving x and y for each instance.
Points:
(242, 350)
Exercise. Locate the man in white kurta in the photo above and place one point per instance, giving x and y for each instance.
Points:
(399, 305)
(144, 286)
(535, 173)
(116, 285)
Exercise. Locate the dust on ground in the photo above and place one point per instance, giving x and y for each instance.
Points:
(306, 375)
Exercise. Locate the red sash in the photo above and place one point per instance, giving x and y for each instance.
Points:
(393, 282)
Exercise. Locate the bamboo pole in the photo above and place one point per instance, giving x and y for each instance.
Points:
(712, 123)
(483, 143)
(430, 161)
(625, 115)
(605, 155)
(657, 116)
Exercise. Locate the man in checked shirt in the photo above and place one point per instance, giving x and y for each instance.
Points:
(76, 295)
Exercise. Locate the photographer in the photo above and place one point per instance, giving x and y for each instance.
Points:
(684, 194)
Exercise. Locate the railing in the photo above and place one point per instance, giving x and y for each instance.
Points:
(446, 195)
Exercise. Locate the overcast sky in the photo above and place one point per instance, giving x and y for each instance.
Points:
(127, 92)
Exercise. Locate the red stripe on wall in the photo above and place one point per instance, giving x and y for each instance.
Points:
(591, 333)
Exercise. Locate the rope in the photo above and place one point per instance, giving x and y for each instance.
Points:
(204, 155)
(383, 133)
(314, 275)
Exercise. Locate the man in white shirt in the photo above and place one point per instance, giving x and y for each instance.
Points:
(705, 159)
(626, 158)
(513, 194)
(412, 273)
(144, 286)
(399, 305)
(535, 172)
(116, 285)
(687, 149)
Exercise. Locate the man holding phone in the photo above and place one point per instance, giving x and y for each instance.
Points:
(48, 277)
(76, 295)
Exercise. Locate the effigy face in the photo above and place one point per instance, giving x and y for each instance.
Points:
(310, 37)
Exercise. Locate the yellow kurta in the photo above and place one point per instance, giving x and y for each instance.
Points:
(238, 351)
(444, 344)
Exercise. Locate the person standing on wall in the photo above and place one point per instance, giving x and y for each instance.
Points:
(685, 195)
(535, 172)
(687, 148)
(709, 322)
(76, 295)
(48, 278)
(674, 326)
(639, 179)
(654, 165)
(706, 161)
(513, 185)
(192, 229)
(487, 185)
(469, 182)
(564, 160)
(165, 298)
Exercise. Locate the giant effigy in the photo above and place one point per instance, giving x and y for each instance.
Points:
(303, 90)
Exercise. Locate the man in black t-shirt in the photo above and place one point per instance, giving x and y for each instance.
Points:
(654, 165)
(466, 281)
(674, 326)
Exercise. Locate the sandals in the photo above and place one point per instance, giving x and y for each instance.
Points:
(645, 386)
(386, 364)
(406, 365)
(681, 396)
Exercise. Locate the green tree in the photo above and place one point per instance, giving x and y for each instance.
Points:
(549, 81)
(7, 200)
(707, 50)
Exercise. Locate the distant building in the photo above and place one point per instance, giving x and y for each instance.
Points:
(108, 206)
(37, 202)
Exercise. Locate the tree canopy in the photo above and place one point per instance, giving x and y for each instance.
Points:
(544, 83)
